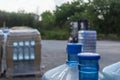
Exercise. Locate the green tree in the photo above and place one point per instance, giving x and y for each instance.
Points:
(48, 20)
(66, 11)
(109, 12)
(17, 19)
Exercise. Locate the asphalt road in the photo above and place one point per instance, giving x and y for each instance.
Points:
(54, 54)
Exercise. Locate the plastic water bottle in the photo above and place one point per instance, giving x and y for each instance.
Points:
(68, 71)
(32, 50)
(88, 66)
(21, 50)
(15, 51)
(26, 50)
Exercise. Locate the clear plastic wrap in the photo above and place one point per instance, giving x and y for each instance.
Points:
(1, 36)
(64, 72)
(112, 72)
(20, 52)
(5, 32)
(23, 52)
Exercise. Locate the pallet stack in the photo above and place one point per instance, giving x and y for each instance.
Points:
(88, 39)
(23, 53)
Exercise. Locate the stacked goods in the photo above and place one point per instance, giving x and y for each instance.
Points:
(23, 52)
(1, 36)
(20, 51)
(3, 39)
(88, 39)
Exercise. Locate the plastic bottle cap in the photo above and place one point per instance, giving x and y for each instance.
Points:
(5, 30)
(86, 56)
(74, 48)
(32, 43)
(21, 43)
(15, 44)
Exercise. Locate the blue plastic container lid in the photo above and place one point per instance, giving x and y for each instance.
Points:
(74, 48)
(5, 30)
(88, 56)
(87, 32)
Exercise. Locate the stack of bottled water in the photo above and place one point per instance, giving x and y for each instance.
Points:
(88, 40)
(23, 50)
(5, 33)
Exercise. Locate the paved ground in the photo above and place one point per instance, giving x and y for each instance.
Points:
(54, 54)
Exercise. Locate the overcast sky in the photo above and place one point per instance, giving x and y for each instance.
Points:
(36, 6)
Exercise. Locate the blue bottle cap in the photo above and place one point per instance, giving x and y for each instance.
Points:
(88, 56)
(74, 48)
(5, 30)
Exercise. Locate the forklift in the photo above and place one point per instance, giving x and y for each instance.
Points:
(76, 26)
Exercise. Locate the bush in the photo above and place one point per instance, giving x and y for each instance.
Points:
(108, 37)
(113, 37)
(101, 36)
(54, 34)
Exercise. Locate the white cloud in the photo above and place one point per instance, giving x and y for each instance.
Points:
(29, 5)
(59, 2)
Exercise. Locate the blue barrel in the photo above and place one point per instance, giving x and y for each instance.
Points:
(88, 66)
